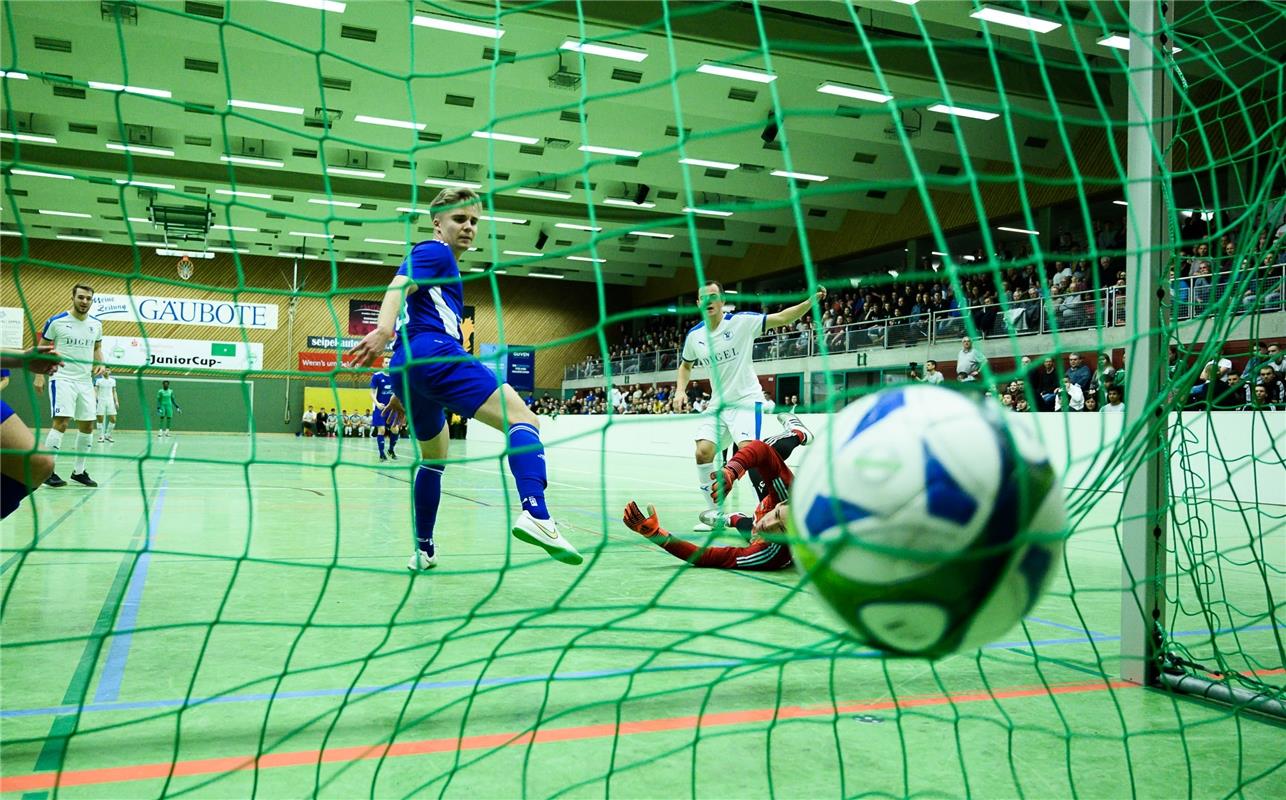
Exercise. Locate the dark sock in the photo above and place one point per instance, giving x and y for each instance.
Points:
(392, 442)
(527, 463)
(11, 493)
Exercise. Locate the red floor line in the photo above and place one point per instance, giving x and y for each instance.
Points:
(208, 766)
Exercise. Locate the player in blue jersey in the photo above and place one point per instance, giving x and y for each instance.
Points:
(381, 393)
(22, 470)
(433, 372)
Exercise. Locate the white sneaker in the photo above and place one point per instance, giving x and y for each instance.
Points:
(100, 438)
(712, 519)
(544, 533)
(110, 439)
(421, 561)
(791, 422)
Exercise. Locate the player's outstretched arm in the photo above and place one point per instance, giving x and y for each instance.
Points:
(788, 315)
(372, 344)
(41, 360)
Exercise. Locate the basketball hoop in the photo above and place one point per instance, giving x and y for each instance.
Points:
(186, 268)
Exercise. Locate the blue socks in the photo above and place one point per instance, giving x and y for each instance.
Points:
(527, 463)
(11, 493)
(428, 492)
(379, 439)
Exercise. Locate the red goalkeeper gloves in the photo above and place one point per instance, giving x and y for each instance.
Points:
(649, 526)
(722, 481)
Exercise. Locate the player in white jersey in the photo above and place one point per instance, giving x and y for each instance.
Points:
(725, 341)
(105, 393)
(79, 340)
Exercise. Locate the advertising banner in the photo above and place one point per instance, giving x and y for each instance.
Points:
(181, 311)
(363, 316)
(341, 342)
(521, 372)
(11, 320)
(135, 351)
(318, 361)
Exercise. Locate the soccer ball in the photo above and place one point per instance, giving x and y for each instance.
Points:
(930, 521)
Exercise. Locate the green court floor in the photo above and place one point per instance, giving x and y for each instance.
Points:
(228, 597)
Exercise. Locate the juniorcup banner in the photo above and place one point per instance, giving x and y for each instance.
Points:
(183, 354)
(184, 311)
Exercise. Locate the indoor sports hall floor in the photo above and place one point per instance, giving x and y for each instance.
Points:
(169, 600)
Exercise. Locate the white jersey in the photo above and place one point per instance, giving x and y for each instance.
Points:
(75, 340)
(105, 388)
(729, 347)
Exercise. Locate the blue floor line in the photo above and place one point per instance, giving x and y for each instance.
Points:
(563, 676)
(1066, 627)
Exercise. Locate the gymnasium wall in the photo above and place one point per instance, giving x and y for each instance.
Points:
(535, 312)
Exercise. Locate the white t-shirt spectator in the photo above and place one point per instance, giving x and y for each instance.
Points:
(1119, 408)
(934, 377)
(309, 417)
(1075, 398)
(967, 363)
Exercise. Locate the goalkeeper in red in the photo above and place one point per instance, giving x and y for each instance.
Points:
(763, 552)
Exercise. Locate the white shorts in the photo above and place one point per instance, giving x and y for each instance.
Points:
(731, 424)
(106, 408)
(73, 399)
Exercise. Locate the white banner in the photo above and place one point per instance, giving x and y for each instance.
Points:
(11, 320)
(179, 311)
(135, 351)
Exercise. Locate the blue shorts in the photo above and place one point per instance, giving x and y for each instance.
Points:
(441, 375)
(5, 411)
(377, 418)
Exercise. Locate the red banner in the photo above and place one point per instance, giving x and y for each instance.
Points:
(363, 316)
(318, 361)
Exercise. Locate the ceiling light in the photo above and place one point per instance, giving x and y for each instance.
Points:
(140, 149)
(320, 5)
(938, 253)
(893, 273)
(709, 212)
(459, 26)
(606, 50)
(505, 137)
(476, 269)
(356, 173)
(571, 226)
(731, 291)
(727, 71)
(1013, 19)
(1120, 41)
(1018, 230)
(958, 111)
(522, 253)
(139, 220)
(410, 210)
(28, 137)
(389, 123)
(907, 2)
(228, 249)
(610, 151)
(265, 106)
(510, 220)
(855, 92)
(163, 251)
(386, 241)
(700, 162)
(7, 232)
(67, 237)
(147, 184)
(545, 193)
(237, 228)
(251, 161)
(625, 201)
(290, 254)
(119, 87)
(76, 214)
(32, 173)
(324, 202)
(543, 275)
(451, 184)
(799, 176)
(587, 258)
(308, 235)
(652, 235)
(18, 76)
(1120, 203)
(243, 193)
(376, 261)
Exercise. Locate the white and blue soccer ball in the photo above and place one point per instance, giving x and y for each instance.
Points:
(929, 520)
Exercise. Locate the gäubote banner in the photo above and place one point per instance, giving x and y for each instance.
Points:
(182, 354)
(184, 311)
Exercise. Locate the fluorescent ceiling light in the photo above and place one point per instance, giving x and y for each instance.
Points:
(148, 184)
(265, 106)
(894, 273)
(290, 254)
(308, 235)
(610, 151)
(545, 193)
(958, 111)
(476, 269)
(1013, 19)
(543, 275)
(505, 137)
(140, 149)
(729, 71)
(731, 291)
(120, 87)
(907, 2)
(75, 214)
(652, 235)
(1120, 41)
(28, 137)
(606, 50)
(625, 201)
(939, 253)
(237, 228)
(242, 193)
(709, 212)
(451, 184)
(324, 202)
(389, 123)
(228, 249)
(252, 161)
(356, 173)
(459, 26)
(1018, 230)
(7, 232)
(17, 76)
(855, 92)
(571, 226)
(511, 220)
(409, 210)
(321, 5)
(522, 253)
(700, 162)
(140, 220)
(386, 241)
(67, 237)
(587, 258)
(375, 261)
(32, 173)
(162, 251)
(799, 176)
(1120, 202)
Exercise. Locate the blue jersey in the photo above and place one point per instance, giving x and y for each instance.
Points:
(437, 306)
(382, 383)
